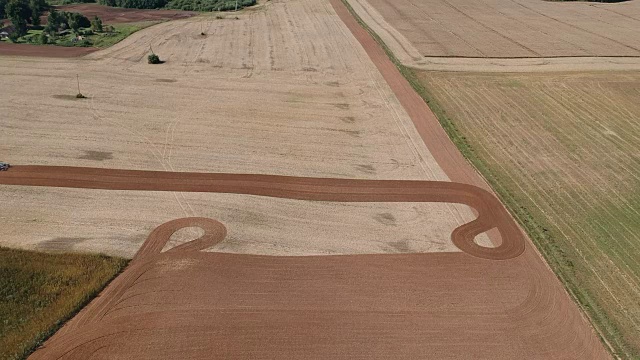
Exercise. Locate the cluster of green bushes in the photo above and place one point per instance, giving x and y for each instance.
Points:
(62, 20)
(190, 5)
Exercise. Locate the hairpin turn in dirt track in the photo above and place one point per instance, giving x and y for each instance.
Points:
(491, 212)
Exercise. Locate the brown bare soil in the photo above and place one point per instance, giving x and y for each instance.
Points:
(10, 49)
(419, 31)
(184, 303)
(114, 15)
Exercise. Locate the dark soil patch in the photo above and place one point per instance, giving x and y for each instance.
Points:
(113, 15)
(96, 155)
(43, 50)
(68, 97)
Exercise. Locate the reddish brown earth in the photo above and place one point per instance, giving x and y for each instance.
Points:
(43, 50)
(184, 303)
(114, 15)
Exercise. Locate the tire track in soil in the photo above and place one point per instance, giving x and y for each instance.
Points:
(491, 212)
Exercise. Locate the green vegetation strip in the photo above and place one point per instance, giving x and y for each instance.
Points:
(535, 229)
(116, 33)
(39, 292)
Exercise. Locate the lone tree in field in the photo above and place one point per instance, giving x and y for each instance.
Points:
(153, 58)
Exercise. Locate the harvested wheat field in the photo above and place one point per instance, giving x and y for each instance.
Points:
(420, 32)
(562, 149)
(285, 89)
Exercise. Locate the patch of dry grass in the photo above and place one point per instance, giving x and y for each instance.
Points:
(562, 152)
(39, 292)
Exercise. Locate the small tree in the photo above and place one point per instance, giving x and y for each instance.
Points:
(44, 39)
(53, 21)
(153, 59)
(18, 12)
(96, 24)
(14, 37)
(74, 25)
(37, 8)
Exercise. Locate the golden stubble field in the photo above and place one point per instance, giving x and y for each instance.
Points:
(562, 150)
(284, 89)
(507, 35)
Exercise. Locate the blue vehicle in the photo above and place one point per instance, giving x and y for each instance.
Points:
(4, 166)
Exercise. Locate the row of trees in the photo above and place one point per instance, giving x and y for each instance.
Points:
(58, 20)
(22, 12)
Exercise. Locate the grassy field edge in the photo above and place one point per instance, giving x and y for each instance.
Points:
(116, 267)
(534, 228)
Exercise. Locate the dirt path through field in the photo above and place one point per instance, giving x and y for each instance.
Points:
(491, 213)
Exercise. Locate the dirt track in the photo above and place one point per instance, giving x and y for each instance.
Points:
(10, 49)
(491, 213)
(114, 15)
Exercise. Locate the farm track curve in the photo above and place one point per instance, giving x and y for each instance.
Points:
(491, 213)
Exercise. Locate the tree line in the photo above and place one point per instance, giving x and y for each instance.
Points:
(23, 12)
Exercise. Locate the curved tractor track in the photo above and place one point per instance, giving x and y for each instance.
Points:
(491, 213)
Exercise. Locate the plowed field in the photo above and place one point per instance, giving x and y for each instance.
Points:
(564, 149)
